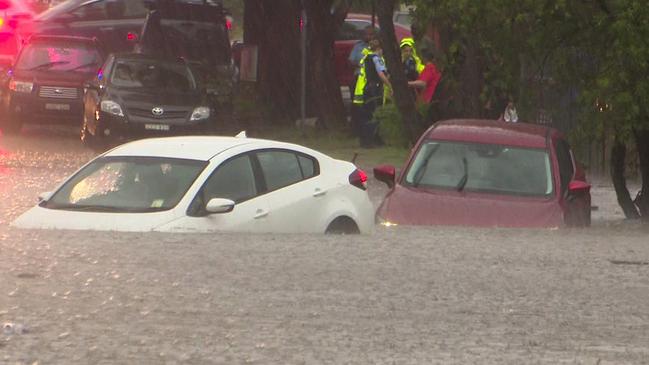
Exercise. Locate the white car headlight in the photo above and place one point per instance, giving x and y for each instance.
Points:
(202, 112)
(384, 222)
(111, 107)
(21, 86)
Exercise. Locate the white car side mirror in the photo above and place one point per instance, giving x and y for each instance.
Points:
(219, 205)
(43, 197)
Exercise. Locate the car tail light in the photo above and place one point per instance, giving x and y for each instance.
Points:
(358, 178)
(130, 36)
(228, 22)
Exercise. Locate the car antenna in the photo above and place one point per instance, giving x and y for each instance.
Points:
(354, 158)
(241, 134)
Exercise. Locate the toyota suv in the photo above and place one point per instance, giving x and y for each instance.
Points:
(45, 83)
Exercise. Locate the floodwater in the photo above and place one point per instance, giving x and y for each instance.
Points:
(399, 296)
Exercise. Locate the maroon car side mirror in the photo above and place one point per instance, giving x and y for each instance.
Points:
(578, 187)
(386, 174)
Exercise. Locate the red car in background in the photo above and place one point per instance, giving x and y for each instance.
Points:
(487, 173)
(351, 32)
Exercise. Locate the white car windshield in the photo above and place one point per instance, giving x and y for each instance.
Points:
(127, 184)
(482, 167)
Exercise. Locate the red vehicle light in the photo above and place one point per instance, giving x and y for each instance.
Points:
(358, 178)
(131, 36)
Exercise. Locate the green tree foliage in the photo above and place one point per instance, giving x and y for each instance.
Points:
(598, 48)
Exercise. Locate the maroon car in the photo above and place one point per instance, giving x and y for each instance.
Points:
(487, 173)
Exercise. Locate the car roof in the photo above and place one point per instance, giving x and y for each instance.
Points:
(490, 131)
(201, 148)
(69, 5)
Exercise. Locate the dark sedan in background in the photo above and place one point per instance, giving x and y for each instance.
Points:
(138, 94)
(45, 84)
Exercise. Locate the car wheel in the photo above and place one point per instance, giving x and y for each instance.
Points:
(342, 225)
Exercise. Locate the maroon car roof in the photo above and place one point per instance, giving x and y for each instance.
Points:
(490, 131)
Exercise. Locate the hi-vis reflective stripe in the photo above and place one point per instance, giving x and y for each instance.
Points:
(362, 80)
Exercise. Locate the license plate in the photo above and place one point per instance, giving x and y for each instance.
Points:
(49, 106)
(156, 127)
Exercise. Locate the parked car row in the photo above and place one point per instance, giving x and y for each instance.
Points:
(461, 172)
(180, 74)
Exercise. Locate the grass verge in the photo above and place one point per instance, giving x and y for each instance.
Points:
(336, 144)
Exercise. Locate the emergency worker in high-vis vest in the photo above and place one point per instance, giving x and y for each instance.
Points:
(409, 42)
(368, 94)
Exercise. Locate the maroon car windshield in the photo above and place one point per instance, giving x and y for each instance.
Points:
(59, 57)
(481, 167)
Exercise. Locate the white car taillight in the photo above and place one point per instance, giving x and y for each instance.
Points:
(358, 178)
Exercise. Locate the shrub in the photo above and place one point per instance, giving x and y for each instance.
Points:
(391, 128)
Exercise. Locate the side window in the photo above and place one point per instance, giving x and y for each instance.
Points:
(233, 180)
(134, 9)
(308, 166)
(92, 11)
(566, 168)
(111, 9)
(352, 30)
(280, 168)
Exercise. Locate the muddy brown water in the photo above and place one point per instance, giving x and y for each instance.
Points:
(399, 296)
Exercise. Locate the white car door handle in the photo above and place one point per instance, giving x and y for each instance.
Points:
(319, 192)
(261, 213)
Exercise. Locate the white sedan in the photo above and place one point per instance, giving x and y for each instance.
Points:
(199, 184)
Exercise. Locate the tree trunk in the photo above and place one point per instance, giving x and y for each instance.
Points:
(618, 160)
(322, 86)
(402, 93)
(642, 144)
(471, 81)
(279, 56)
(274, 26)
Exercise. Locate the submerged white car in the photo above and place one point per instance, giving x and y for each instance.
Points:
(200, 184)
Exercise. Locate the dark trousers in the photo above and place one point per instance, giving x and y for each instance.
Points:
(369, 127)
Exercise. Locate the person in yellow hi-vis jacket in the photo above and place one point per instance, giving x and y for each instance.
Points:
(409, 42)
(368, 94)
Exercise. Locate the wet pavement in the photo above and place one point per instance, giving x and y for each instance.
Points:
(399, 296)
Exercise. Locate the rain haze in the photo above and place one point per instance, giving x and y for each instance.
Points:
(400, 294)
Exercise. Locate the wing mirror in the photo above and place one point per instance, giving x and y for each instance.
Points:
(386, 174)
(43, 197)
(219, 205)
(576, 187)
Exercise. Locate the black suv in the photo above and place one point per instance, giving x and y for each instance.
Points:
(144, 94)
(45, 83)
(196, 30)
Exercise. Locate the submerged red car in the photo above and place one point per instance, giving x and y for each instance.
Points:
(487, 173)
